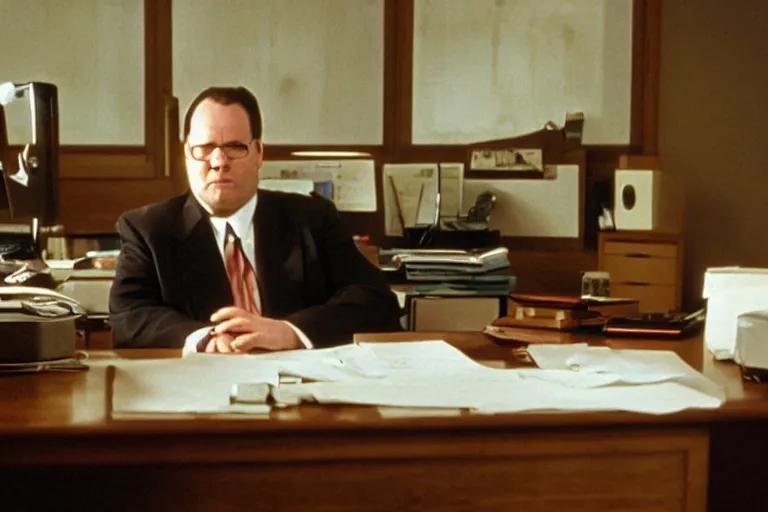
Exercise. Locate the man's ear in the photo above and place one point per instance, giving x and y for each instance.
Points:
(260, 147)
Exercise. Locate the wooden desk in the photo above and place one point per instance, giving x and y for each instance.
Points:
(59, 446)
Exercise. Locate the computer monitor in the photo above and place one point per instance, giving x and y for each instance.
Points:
(30, 168)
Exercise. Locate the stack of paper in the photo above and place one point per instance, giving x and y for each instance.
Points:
(434, 374)
(429, 374)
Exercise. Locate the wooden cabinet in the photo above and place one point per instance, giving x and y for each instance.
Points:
(644, 265)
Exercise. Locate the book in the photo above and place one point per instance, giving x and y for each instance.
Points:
(490, 257)
(564, 324)
(523, 312)
(554, 305)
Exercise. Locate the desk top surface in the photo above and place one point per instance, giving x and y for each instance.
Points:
(62, 404)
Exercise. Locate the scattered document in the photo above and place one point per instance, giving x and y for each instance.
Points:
(422, 358)
(628, 365)
(537, 395)
(418, 412)
(570, 377)
(366, 361)
(351, 184)
(187, 385)
(417, 375)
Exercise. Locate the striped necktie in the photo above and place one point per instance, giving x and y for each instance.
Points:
(242, 278)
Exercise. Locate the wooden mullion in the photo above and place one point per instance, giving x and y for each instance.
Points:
(404, 76)
(158, 87)
(390, 120)
(646, 57)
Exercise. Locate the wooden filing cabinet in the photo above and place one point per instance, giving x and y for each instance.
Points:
(644, 265)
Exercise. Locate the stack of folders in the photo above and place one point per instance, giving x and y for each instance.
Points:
(475, 272)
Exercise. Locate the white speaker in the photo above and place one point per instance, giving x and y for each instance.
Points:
(647, 200)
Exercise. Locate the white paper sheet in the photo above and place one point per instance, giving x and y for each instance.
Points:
(428, 374)
(510, 393)
(422, 358)
(627, 365)
(351, 184)
(418, 412)
(187, 385)
(575, 377)
(661, 398)
(368, 361)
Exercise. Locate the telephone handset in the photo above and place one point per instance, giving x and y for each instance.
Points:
(39, 301)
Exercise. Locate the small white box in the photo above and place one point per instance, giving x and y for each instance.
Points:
(752, 340)
(646, 200)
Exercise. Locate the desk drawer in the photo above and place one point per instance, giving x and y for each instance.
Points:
(651, 298)
(640, 270)
(642, 250)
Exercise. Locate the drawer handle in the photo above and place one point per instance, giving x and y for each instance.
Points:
(637, 255)
(635, 283)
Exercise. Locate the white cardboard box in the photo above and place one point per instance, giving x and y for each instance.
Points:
(730, 292)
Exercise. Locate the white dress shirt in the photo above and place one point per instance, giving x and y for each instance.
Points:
(242, 224)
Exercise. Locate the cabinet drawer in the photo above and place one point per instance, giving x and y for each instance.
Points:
(625, 269)
(652, 299)
(643, 250)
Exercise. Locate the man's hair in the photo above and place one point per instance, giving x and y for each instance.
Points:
(228, 96)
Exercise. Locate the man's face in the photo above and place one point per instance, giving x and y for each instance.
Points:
(223, 160)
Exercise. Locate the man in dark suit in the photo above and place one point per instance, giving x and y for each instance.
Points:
(227, 268)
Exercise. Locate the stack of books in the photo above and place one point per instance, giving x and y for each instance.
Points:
(564, 313)
(475, 272)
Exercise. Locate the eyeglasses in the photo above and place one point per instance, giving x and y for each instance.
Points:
(231, 150)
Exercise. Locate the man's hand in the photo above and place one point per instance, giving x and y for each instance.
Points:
(243, 332)
(219, 343)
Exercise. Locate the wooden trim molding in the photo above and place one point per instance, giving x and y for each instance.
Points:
(403, 107)
(105, 162)
(156, 169)
(646, 61)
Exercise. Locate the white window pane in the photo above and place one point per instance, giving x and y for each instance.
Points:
(489, 69)
(92, 51)
(316, 66)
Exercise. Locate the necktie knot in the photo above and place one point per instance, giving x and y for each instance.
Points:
(230, 238)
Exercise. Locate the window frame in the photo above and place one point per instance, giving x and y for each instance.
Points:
(154, 171)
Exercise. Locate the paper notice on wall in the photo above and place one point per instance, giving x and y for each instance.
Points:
(535, 207)
(410, 194)
(350, 184)
(296, 186)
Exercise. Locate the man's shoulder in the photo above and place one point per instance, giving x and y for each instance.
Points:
(298, 206)
(156, 214)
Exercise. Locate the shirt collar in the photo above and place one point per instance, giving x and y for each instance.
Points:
(241, 221)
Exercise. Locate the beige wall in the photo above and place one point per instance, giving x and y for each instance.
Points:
(713, 129)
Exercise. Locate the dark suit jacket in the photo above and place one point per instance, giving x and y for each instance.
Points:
(170, 275)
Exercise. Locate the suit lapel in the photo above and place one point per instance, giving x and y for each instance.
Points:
(205, 278)
(279, 262)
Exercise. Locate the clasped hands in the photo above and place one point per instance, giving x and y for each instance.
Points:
(238, 331)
